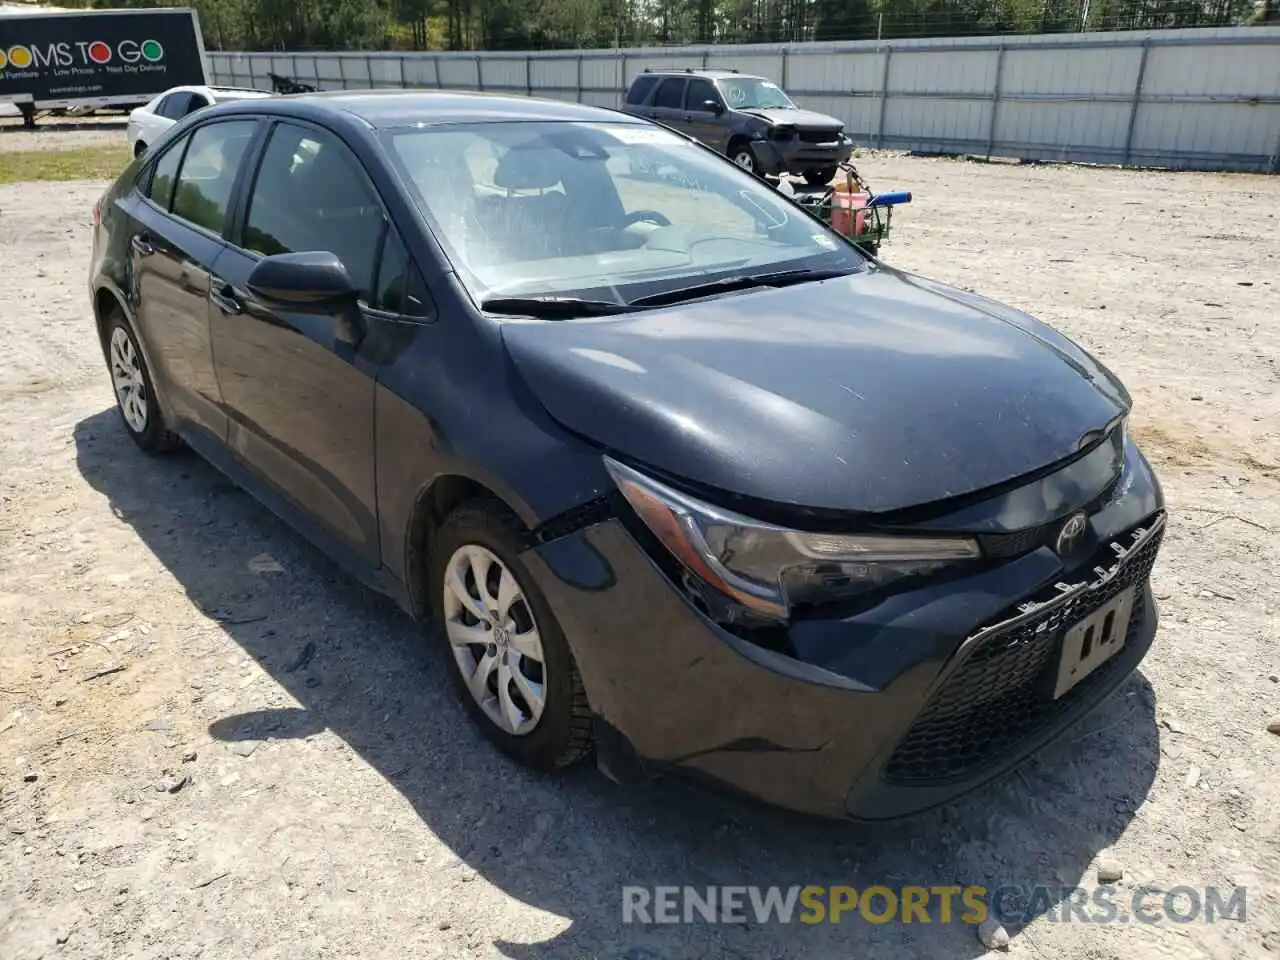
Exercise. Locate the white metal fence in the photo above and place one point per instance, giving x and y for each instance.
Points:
(1189, 99)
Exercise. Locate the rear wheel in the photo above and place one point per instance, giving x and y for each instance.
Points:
(135, 394)
(513, 667)
(820, 177)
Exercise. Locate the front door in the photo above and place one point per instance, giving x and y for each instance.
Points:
(175, 244)
(701, 120)
(299, 397)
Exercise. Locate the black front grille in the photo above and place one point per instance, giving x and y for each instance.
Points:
(1002, 693)
(819, 136)
(999, 546)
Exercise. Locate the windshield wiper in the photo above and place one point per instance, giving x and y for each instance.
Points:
(552, 308)
(781, 278)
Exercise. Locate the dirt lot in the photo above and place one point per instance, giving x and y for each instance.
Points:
(337, 803)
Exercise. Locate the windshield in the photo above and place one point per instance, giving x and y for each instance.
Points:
(752, 93)
(607, 211)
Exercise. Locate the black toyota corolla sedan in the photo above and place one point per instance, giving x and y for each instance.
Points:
(686, 481)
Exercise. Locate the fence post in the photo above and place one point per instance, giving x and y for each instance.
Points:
(1136, 102)
(528, 74)
(479, 75)
(579, 77)
(368, 68)
(884, 94)
(783, 81)
(403, 83)
(622, 78)
(1274, 165)
(995, 100)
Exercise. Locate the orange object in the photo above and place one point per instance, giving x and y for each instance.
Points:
(849, 209)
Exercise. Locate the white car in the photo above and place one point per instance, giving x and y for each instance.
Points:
(148, 122)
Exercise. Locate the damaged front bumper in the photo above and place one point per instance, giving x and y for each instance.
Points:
(873, 715)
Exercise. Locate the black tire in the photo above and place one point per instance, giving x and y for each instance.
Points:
(156, 437)
(562, 735)
(820, 177)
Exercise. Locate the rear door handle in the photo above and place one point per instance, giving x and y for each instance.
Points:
(142, 245)
(225, 297)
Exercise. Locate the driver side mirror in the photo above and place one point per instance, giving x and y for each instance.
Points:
(313, 282)
(715, 106)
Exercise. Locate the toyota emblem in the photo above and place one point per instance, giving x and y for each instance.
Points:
(1070, 533)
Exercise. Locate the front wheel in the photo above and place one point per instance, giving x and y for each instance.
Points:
(744, 155)
(512, 664)
(820, 177)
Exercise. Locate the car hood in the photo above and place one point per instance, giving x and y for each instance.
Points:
(805, 119)
(867, 393)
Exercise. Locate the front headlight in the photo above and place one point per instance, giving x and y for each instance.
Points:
(769, 569)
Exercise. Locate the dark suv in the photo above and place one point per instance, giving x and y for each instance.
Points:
(750, 119)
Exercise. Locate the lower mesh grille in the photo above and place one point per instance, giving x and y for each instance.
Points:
(1001, 695)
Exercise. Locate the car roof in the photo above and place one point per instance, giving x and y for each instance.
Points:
(389, 109)
(215, 92)
(708, 74)
(245, 93)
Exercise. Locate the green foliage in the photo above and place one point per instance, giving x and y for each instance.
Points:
(570, 24)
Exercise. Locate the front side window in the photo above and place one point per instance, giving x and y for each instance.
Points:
(700, 91)
(203, 192)
(608, 211)
(399, 288)
(752, 93)
(197, 103)
(310, 194)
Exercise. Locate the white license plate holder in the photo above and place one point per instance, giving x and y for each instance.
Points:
(1091, 642)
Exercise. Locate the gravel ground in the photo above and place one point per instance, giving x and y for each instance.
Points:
(337, 804)
(63, 133)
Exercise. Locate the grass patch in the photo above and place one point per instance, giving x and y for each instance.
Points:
(83, 163)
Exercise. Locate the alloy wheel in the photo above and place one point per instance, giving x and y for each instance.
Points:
(745, 160)
(126, 377)
(494, 639)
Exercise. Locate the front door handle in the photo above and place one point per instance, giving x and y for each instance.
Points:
(653, 115)
(225, 297)
(142, 245)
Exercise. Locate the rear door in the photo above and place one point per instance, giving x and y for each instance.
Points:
(298, 397)
(176, 241)
(668, 103)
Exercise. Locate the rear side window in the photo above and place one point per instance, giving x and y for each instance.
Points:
(174, 105)
(311, 194)
(639, 91)
(203, 193)
(165, 173)
(670, 94)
